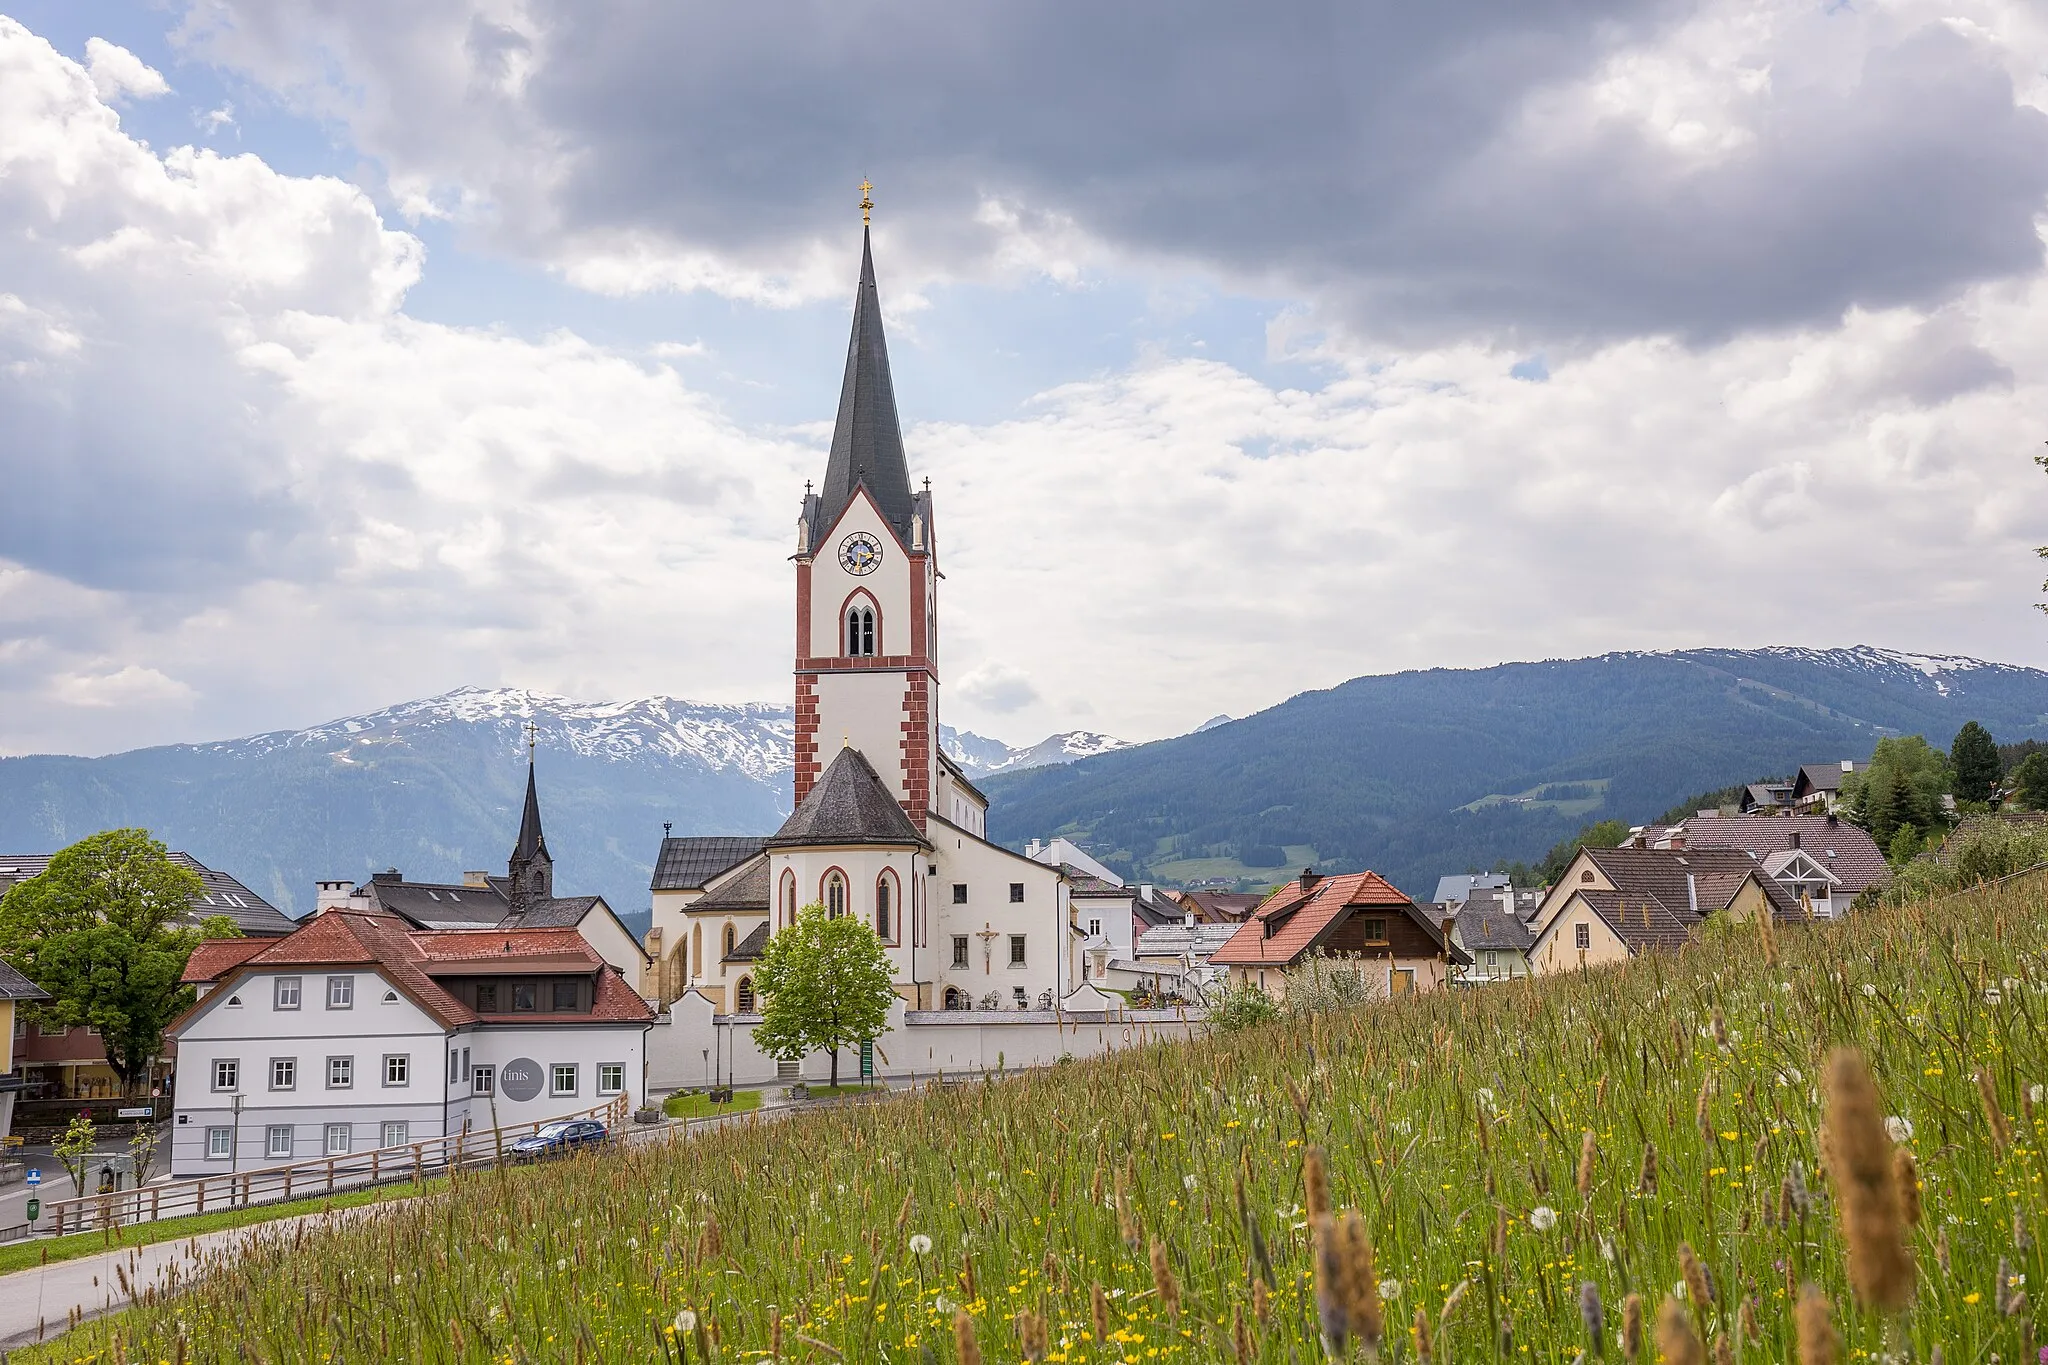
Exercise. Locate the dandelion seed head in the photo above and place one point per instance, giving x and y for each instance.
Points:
(686, 1322)
(1390, 1290)
(920, 1244)
(1900, 1129)
(1543, 1218)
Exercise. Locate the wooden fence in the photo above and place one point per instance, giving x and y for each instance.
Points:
(307, 1179)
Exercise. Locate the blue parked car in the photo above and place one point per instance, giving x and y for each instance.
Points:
(563, 1135)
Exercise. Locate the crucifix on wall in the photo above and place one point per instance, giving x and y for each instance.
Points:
(988, 937)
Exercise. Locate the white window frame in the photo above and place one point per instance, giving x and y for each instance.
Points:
(227, 1073)
(341, 992)
(341, 1131)
(286, 992)
(483, 1079)
(288, 1068)
(271, 1145)
(555, 1087)
(465, 1064)
(611, 1078)
(1582, 936)
(347, 1068)
(220, 1144)
(394, 1133)
(397, 1070)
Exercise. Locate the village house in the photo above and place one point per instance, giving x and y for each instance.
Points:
(1818, 787)
(524, 898)
(1615, 903)
(15, 989)
(1218, 907)
(358, 1031)
(69, 1062)
(1189, 948)
(1820, 861)
(1491, 926)
(1357, 918)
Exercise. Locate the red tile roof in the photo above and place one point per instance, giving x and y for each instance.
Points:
(406, 957)
(1298, 921)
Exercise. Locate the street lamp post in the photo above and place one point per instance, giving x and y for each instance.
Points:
(235, 1142)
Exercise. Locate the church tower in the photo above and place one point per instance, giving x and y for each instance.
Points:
(530, 870)
(866, 588)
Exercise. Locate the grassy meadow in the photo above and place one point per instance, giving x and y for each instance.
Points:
(1156, 1205)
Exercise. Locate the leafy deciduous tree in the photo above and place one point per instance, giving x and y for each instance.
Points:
(1903, 785)
(827, 985)
(105, 929)
(2031, 777)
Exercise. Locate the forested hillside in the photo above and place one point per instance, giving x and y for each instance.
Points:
(1418, 774)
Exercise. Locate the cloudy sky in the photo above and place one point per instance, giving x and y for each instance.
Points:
(350, 352)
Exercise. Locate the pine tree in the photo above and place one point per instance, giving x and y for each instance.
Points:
(1974, 757)
(1885, 802)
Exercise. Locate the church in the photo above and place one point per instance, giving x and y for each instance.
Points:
(886, 826)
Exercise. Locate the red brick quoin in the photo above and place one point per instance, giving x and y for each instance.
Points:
(917, 749)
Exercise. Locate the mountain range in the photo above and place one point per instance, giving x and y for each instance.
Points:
(1413, 774)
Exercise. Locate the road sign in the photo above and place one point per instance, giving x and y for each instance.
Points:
(142, 1113)
(35, 1176)
(35, 1208)
(867, 1060)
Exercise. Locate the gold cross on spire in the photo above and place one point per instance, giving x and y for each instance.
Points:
(532, 737)
(867, 203)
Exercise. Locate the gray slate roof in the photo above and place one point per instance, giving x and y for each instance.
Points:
(1171, 940)
(439, 905)
(690, 863)
(849, 805)
(750, 948)
(253, 915)
(1460, 887)
(748, 891)
(1157, 910)
(557, 912)
(15, 986)
(1486, 927)
(867, 438)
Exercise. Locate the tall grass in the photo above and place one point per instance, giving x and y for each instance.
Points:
(1576, 1166)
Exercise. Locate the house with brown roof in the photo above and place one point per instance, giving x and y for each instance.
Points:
(1612, 904)
(358, 1031)
(1822, 860)
(1357, 919)
(1818, 787)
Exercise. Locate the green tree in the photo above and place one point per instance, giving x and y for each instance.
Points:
(1903, 785)
(1974, 756)
(72, 1149)
(1243, 1006)
(826, 984)
(1904, 846)
(106, 929)
(2031, 778)
(1605, 834)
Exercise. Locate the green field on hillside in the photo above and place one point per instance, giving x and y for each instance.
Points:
(1525, 1160)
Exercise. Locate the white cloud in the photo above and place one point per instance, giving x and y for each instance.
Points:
(265, 494)
(119, 74)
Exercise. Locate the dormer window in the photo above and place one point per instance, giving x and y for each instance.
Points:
(860, 632)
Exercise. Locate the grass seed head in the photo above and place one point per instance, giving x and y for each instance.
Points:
(1315, 1184)
(1361, 1281)
(1724, 1354)
(1676, 1341)
(1866, 1190)
(1906, 1175)
(1098, 1309)
(1593, 1316)
(1695, 1275)
(1589, 1148)
(1032, 1337)
(1646, 1179)
(1333, 1317)
(1425, 1344)
(1632, 1328)
(1752, 1330)
(1994, 1117)
(1163, 1281)
(964, 1343)
(1815, 1326)
(1240, 1337)
(1262, 1303)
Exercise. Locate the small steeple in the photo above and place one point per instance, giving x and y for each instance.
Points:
(867, 439)
(530, 869)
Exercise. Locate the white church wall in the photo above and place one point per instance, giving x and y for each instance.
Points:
(865, 711)
(696, 1047)
(988, 919)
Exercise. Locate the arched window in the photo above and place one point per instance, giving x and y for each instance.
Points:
(743, 996)
(731, 938)
(697, 945)
(954, 1000)
(788, 899)
(835, 895)
(860, 631)
(885, 908)
(1587, 875)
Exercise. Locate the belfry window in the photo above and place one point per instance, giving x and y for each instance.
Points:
(860, 632)
(835, 895)
(743, 998)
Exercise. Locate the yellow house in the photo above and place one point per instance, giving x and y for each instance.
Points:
(14, 988)
(1614, 903)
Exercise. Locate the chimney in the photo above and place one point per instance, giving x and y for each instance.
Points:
(477, 881)
(1031, 849)
(1309, 878)
(1832, 820)
(331, 896)
(1692, 894)
(1676, 841)
(1795, 838)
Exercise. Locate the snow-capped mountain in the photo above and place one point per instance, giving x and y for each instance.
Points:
(992, 757)
(751, 739)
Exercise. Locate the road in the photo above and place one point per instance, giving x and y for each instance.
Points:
(14, 1198)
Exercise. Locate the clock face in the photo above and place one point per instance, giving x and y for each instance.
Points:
(860, 553)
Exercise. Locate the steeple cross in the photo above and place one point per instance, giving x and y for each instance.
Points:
(867, 203)
(532, 739)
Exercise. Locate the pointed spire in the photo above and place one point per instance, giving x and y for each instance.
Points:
(867, 440)
(531, 840)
